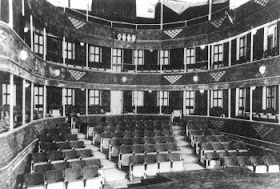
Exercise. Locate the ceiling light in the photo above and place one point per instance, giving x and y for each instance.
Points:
(202, 46)
(201, 91)
(124, 79)
(56, 72)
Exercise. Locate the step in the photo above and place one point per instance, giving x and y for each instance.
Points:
(87, 142)
(185, 150)
(114, 175)
(116, 184)
(180, 138)
(106, 164)
(192, 166)
(182, 143)
(81, 136)
(174, 127)
(189, 158)
(74, 131)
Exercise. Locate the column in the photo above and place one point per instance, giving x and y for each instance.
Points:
(63, 50)
(116, 102)
(185, 61)
(135, 102)
(31, 33)
(229, 52)
(229, 102)
(86, 102)
(12, 102)
(184, 102)
(87, 55)
(160, 102)
(279, 104)
(251, 102)
(63, 101)
(210, 10)
(11, 17)
(45, 43)
(45, 101)
(23, 101)
(208, 102)
(252, 45)
(209, 57)
(32, 102)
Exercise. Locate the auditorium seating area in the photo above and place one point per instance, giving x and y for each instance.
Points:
(62, 161)
(216, 150)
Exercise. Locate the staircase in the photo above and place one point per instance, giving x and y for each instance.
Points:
(114, 177)
(186, 151)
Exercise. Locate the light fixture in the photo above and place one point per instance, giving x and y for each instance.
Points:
(23, 55)
(25, 29)
(195, 78)
(26, 85)
(150, 91)
(124, 79)
(202, 46)
(201, 91)
(151, 50)
(262, 69)
(56, 72)
(253, 88)
(82, 89)
(254, 31)
(82, 44)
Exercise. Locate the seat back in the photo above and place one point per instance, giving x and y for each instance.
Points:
(229, 160)
(91, 161)
(138, 140)
(162, 157)
(55, 155)
(71, 154)
(136, 159)
(90, 171)
(34, 179)
(137, 148)
(77, 144)
(161, 147)
(149, 140)
(61, 166)
(43, 167)
(174, 157)
(149, 148)
(243, 160)
(39, 157)
(85, 153)
(150, 158)
(72, 174)
(125, 149)
(63, 145)
(79, 163)
(128, 141)
(53, 176)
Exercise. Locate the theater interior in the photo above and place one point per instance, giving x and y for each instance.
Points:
(139, 94)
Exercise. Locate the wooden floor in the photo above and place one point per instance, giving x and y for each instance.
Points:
(228, 178)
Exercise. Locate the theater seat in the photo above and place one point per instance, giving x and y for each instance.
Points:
(151, 164)
(54, 179)
(92, 178)
(164, 163)
(136, 166)
(272, 165)
(176, 162)
(125, 152)
(34, 180)
(258, 164)
(74, 178)
(212, 160)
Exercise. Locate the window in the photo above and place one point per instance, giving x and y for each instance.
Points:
(137, 98)
(117, 56)
(217, 98)
(69, 52)
(138, 57)
(94, 54)
(242, 47)
(190, 56)
(270, 97)
(38, 98)
(241, 101)
(38, 43)
(69, 96)
(163, 98)
(164, 57)
(218, 56)
(271, 39)
(190, 95)
(6, 94)
(94, 97)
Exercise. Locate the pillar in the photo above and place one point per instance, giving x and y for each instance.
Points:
(23, 101)
(12, 101)
(116, 102)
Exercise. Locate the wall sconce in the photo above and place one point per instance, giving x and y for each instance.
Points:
(56, 72)
(262, 69)
(25, 29)
(124, 79)
(82, 44)
(82, 89)
(202, 46)
(201, 91)
(23, 55)
(253, 88)
(26, 85)
(150, 91)
(254, 31)
(151, 50)
(195, 78)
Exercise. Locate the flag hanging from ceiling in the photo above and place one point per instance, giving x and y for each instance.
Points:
(179, 6)
(262, 2)
(218, 22)
(146, 8)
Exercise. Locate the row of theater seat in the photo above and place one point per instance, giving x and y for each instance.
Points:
(258, 164)
(124, 151)
(49, 146)
(52, 156)
(58, 137)
(151, 164)
(71, 178)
